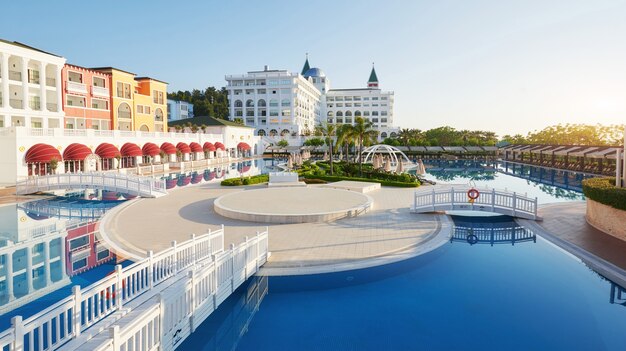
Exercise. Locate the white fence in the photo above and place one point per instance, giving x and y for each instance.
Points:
(212, 274)
(488, 200)
(124, 183)
(66, 209)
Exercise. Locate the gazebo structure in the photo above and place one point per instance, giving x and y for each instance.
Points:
(395, 155)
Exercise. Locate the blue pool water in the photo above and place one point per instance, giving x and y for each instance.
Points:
(526, 296)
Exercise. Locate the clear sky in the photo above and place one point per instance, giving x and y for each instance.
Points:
(508, 66)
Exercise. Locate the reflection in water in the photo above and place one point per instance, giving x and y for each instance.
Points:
(490, 232)
(229, 323)
(618, 295)
(561, 182)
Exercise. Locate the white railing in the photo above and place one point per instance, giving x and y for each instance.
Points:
(202, 258)
(76, 87)
(65, 209)
(124, 183)
(99, 91)
(488, 200)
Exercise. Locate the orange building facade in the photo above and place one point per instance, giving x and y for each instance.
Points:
(86, 98)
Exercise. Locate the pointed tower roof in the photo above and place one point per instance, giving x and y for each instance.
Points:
(373, 77)
(306, 65)
(373, 81)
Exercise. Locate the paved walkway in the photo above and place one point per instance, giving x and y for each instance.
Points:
(567, 221)
(151, 224)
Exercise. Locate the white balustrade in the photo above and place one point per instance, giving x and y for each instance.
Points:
(212, 274)
(490, 200)
(125, 183)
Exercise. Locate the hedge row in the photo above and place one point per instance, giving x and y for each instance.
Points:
(382, 182)
(257, 179)
(603, 190)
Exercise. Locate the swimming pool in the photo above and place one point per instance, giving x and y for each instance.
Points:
(528, 295)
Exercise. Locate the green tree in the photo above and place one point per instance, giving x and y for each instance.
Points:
(364, 132)
(282, 143)
(329, 131)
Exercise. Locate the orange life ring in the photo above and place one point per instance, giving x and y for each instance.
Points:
(473, 194)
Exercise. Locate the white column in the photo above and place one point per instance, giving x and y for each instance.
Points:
(29, 268)
(62, 258)
(59, 91)
(25, 104)
(9, 277)
(42, 93)
(5, 81)
(46, 253)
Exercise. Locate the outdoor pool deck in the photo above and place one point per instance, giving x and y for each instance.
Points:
(388, 232)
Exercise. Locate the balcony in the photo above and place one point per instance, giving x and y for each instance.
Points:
(99, 91)
(34, 105)
(74, 87)
(15, 75)
(51, 107)
(15, 103)
(123, 114)
(51, 82)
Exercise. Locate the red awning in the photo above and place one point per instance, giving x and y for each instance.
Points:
(42, 153)
(183, 148)
(150, 149)
(208, 147)
(195, 147)
(243, 146)
(106, 150)
(168, 148)
(76, 152)
(131, 150)
(219, 145)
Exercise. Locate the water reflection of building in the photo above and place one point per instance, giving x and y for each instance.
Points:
(31, 258)
(491, 233)
(233, 318)
(562, 179)
(618, 294)
(85, 249)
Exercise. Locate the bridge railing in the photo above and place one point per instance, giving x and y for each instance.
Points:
(491, 200)
(66, 319)
(125, 183)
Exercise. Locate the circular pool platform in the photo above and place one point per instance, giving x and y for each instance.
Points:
(292, 205)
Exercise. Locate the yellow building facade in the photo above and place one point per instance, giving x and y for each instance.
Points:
(136, 103)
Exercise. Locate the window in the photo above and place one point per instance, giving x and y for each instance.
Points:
(79, 264)
(123, 90)
(33, 76)
(273, 103)
(139, 108)
(272, 82)
(285, 103)
(182, 107)
(375, 98)
(273, 113)
(98, 82)
(146, 110)
(99, 104)
(366, 99)
(383, 113)
(383, 98)
(285, 81)
(101, 255)
(286, 113)
(79, 242)
(75, 101)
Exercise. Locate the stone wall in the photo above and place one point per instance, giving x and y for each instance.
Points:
(607, 219)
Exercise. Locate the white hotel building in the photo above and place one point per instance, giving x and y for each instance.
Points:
(30, 94)
(278, 102)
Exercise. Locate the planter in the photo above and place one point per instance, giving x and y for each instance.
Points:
(606, 219)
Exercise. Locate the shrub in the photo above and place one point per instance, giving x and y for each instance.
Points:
(257, 179)
(328, 178)
(604, 191)
(314, 181)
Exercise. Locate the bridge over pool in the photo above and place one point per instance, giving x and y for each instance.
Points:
(122, 183)
(471, 199)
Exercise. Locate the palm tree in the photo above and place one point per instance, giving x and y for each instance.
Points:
(363, 131)
(329, 131)
(345, 137)
(404, 136)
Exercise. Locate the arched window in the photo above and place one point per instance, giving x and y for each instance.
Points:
(383, 135)
(238, 103)
(357, 113)
(330, 114)
(348, 113)
(273, 132)
(158, 115)
(262, 103)
(123, 110)
(249, 103)
(393, 134)
(339, 114)
(261, 132)
(285, 132)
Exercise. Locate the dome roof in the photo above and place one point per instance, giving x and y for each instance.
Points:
(314, 72)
